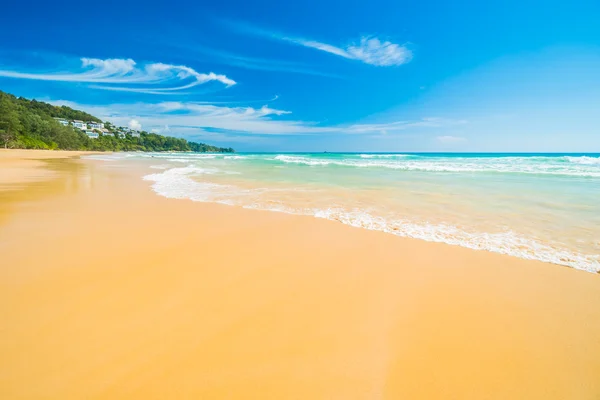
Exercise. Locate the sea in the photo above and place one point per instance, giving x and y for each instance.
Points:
(542, 207)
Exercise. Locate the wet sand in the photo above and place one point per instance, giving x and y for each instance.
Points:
(109, 291)
(20, 167)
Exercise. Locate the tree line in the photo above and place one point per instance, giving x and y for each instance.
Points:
(29, 124)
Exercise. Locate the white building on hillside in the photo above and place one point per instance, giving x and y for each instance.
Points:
(61, 121)
(92, 134)
(106, 132)
(80, 125)
(95, 125)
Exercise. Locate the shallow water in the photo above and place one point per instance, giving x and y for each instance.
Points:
(536, 206)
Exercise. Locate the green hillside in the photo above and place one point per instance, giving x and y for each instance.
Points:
(31, 124)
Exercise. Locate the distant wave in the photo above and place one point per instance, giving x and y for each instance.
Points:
(565, 166)
(107, 157)
(306, 160)
(584, 160)
(384, 155)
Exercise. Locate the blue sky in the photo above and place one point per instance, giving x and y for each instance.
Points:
(319, 75)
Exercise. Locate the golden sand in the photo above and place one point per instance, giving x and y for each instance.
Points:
(19, 167)
(109, 291)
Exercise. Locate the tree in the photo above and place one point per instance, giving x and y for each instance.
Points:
(30, 124)
(9, 121)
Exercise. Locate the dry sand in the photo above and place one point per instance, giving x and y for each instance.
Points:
(108, 291)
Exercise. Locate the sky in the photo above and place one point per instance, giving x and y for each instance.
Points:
(510, 76)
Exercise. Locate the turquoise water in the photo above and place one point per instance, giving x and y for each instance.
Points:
(535, 206)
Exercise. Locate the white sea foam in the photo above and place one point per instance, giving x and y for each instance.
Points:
(383, 155)
(188, 159)
(584, 160)
(302, 160)
(179, 160)
(203, 156)
(178, 183)
(106, 157)
(507, 242)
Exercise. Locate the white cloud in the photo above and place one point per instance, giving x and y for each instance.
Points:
(154, 78)
(110, 66)
(450, 139)
(368, 49)
(135, 125)
(375, 52)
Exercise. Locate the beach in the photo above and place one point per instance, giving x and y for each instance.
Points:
(111, 291)
(20, 167)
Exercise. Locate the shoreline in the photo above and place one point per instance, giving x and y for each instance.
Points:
(129, 294)
(202, 180)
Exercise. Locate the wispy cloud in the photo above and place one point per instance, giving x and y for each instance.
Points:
(394, 126)
(369, 49)
(186, 118)
(450, 139)
(151, 78)
(181, 116)
(252, 63)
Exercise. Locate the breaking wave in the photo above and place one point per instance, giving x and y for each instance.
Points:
(583, 166)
